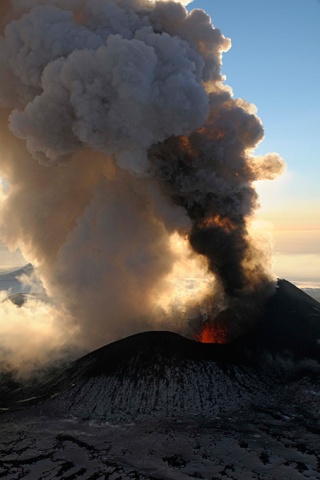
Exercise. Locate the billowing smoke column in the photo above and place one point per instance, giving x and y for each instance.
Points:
(210, 173)
(117, 132)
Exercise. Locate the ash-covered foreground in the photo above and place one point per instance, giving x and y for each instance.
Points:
(278, 439)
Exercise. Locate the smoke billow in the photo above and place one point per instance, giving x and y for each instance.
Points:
(117, 133)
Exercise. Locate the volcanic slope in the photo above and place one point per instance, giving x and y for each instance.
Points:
(163, 374)
(159, 406)
(289, 325)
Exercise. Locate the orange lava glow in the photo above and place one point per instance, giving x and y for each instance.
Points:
(219, 221)
(214, 134)
(211, 334)
(186, 145)
(80, 18)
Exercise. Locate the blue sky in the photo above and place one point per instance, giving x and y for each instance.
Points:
(274, 63)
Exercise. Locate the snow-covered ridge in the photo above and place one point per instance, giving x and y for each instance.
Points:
(10, 280)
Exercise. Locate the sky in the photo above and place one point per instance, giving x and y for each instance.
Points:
(274, 63)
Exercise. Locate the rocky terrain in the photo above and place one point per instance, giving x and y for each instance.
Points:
(268, 441)
(157, 405)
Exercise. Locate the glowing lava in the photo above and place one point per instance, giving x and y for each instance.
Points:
(218, 221)
(211, 334)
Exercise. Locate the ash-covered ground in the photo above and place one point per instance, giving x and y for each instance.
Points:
(275, 439)
(159, 406)
(242, 425)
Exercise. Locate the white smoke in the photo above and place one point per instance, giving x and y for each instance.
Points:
(32, 335)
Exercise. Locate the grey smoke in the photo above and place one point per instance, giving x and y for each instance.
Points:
(113, 84)
(117, 132)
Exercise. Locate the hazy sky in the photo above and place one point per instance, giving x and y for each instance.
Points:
(274, 63)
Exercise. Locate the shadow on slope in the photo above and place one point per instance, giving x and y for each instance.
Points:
(164, 374)
(290, 324)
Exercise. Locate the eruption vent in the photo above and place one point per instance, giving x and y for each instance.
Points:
(117, 134)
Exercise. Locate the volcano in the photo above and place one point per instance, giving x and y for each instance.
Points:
(164, 372)
(290, 324)
(158, 405)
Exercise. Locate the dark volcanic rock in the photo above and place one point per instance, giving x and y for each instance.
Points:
(164, 374)
(151, 374)
(290, 324)
(20, 299)
(159, 406)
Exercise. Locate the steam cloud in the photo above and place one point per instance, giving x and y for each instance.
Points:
(116, 133)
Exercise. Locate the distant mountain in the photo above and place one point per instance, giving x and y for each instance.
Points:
(313, 292)
(22, 285)
(9, 281)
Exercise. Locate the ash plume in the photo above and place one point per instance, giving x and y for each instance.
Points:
(118, 132)
(210, 173)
